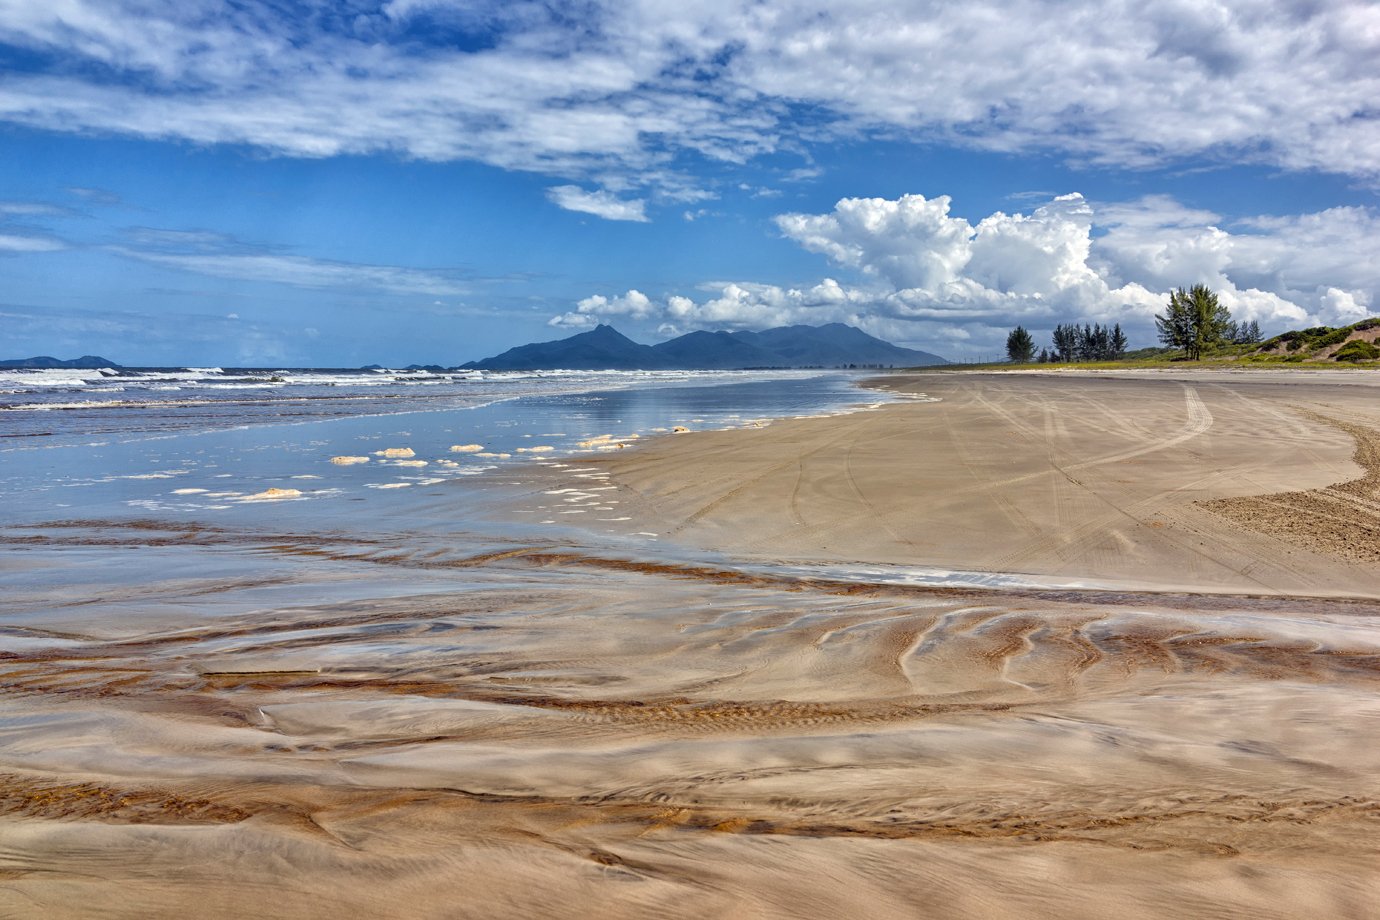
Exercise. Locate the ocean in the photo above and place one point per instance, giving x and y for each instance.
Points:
(193, 443)
(213, 490)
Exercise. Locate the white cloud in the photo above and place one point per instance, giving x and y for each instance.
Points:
(592, 310)
(10, 242)
(734, 305)
(911, 242)
(300, 271)
(33, 209)
(921, 274)
(1320, 267)
(599, 203)
(208, 253)
(620, 94)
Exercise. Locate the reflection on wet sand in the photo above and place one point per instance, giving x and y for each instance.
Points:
(295, 723)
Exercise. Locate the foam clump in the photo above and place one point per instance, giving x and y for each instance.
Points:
(395, 452)
(410, 463)
(679, 429)
(539, 449)
(274, 494)
(466, 448)
(604, 442)
(494, 456)
(348, 461)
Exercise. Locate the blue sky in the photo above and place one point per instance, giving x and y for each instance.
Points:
(428, 181)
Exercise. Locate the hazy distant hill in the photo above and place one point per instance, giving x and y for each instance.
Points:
(834, 344)
(85, 362)
(605, 348)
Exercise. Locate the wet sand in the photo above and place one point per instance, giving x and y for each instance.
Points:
(315, 724)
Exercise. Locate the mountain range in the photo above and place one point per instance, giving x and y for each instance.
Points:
(605, 348)
(85, 362)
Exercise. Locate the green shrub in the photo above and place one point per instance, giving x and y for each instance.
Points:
(1357, 350)
(1333, 337)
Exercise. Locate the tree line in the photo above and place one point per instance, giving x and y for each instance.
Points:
(1193, 321)
(1071, 343)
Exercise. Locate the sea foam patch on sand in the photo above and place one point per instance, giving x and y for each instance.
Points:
(271, 494)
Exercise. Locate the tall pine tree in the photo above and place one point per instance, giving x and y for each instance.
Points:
(1193, 320)
(1020, 347)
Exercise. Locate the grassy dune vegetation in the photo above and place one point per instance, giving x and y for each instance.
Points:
(1356, 345)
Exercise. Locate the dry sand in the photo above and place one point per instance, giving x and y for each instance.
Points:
(1130, 478)
(380, 727)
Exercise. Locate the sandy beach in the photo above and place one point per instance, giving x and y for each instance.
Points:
(1147, 689)
(1159, 480)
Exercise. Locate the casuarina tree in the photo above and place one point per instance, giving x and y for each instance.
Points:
(1193, 320)
(1020, 347)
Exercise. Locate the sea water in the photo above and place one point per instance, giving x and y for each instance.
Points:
(149, 505)
(203, 443)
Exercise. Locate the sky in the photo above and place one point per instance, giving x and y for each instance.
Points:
(293, 183)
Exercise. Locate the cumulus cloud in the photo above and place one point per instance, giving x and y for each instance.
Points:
(730, 305)
(624, 92)
(599, 203)
(593, 310)
(922, 275)
(1318, 267)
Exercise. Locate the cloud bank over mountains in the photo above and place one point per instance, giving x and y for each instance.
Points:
(915, 271)
(622, 97)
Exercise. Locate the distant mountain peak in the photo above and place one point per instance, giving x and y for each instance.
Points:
(603, 331)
